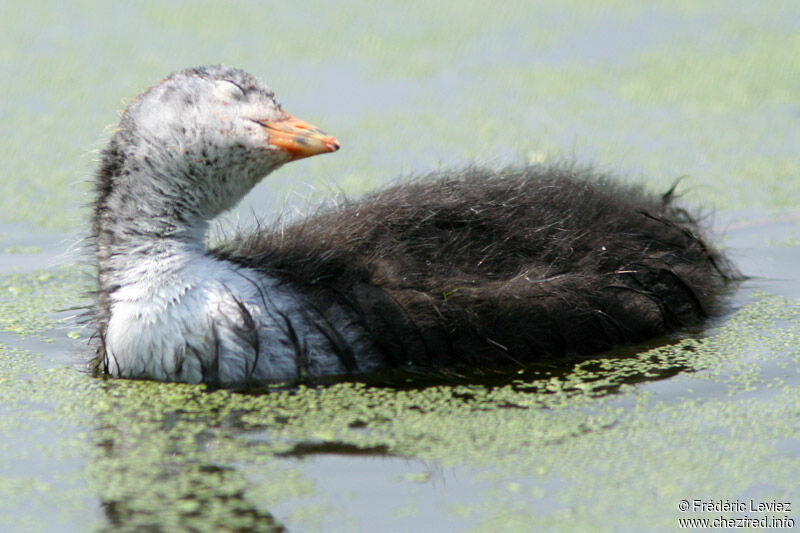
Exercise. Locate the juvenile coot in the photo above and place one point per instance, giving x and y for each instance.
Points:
(467, 268)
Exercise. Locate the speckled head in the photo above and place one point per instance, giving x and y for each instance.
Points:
(214, 128)
(222, 106)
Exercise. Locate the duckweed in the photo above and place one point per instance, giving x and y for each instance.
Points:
(589, 436)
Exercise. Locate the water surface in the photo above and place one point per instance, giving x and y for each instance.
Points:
(652, 92)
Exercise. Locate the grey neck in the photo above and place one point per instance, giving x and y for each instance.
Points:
(140, 218)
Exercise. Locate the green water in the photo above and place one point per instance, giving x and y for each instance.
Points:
(653, 91)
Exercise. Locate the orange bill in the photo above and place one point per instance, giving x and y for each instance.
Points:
(298, 138)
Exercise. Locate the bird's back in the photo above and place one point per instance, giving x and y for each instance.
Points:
(482, 267)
